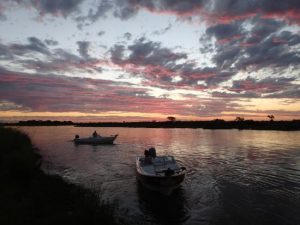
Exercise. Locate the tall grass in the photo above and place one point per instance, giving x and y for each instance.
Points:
(28, 196)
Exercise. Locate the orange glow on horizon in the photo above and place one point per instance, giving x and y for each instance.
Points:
(117, 116)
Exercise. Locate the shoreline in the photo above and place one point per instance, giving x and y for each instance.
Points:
(293, 125)
(30, 196)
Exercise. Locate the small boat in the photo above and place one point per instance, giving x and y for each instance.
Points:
(160, 173)
(96, 140)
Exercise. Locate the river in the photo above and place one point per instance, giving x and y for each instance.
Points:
(233, 176)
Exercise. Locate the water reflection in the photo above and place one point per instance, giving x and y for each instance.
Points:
(253, 204)
(163, 209)
(233, 177)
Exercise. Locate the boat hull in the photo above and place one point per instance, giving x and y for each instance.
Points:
(164, 185)
(96, 140)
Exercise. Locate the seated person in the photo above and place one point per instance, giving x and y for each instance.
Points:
(152, 152)
(148, 158)
(95, 134)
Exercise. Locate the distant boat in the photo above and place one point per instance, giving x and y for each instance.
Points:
(96, 140)
(160, 173)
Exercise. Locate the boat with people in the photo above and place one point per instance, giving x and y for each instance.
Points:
(95, 139)
(159, 173)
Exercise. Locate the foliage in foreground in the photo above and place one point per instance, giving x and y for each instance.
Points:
(28, 196)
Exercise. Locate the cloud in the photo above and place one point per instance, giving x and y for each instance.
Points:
(162, 67)
(101, 9)
(52, 93)
(127, 36)
(224, 31)
(265, 88)
(214, 10)
(37, 56)
(162, 31)
(54, 7)
(5, 52)
(51, 42)
(83, 47)
(2, 17)
(101, 33)
(34, 45)
(263, 44)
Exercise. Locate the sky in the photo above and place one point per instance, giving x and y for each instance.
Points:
(141, 60)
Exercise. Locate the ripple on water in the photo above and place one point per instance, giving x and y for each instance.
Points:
(233, 177)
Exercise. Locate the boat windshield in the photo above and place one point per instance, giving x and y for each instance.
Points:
(169, 159)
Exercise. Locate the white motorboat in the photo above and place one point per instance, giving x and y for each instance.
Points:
(160, 173)
(96, 140)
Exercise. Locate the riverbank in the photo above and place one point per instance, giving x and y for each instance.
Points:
(292, 125)
(29, 196)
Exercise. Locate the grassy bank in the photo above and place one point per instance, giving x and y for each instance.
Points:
(29, 196)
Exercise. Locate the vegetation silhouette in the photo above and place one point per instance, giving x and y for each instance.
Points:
(29, 196)
(238, 123)
(214, 124)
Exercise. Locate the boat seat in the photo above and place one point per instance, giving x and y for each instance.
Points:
(158, 162)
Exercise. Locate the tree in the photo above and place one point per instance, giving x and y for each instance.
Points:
(271, 117)
(171, 118)
(239, 119)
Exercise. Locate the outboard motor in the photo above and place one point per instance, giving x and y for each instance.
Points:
(169, 172)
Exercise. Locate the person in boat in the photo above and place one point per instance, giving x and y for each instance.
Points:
(95, 134)
(148, 158)
(152, 152)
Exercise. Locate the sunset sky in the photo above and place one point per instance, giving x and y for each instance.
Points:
(137, 60)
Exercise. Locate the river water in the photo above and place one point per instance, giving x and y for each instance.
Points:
(233, 176)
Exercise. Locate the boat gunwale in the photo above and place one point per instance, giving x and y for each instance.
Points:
(138, 170)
